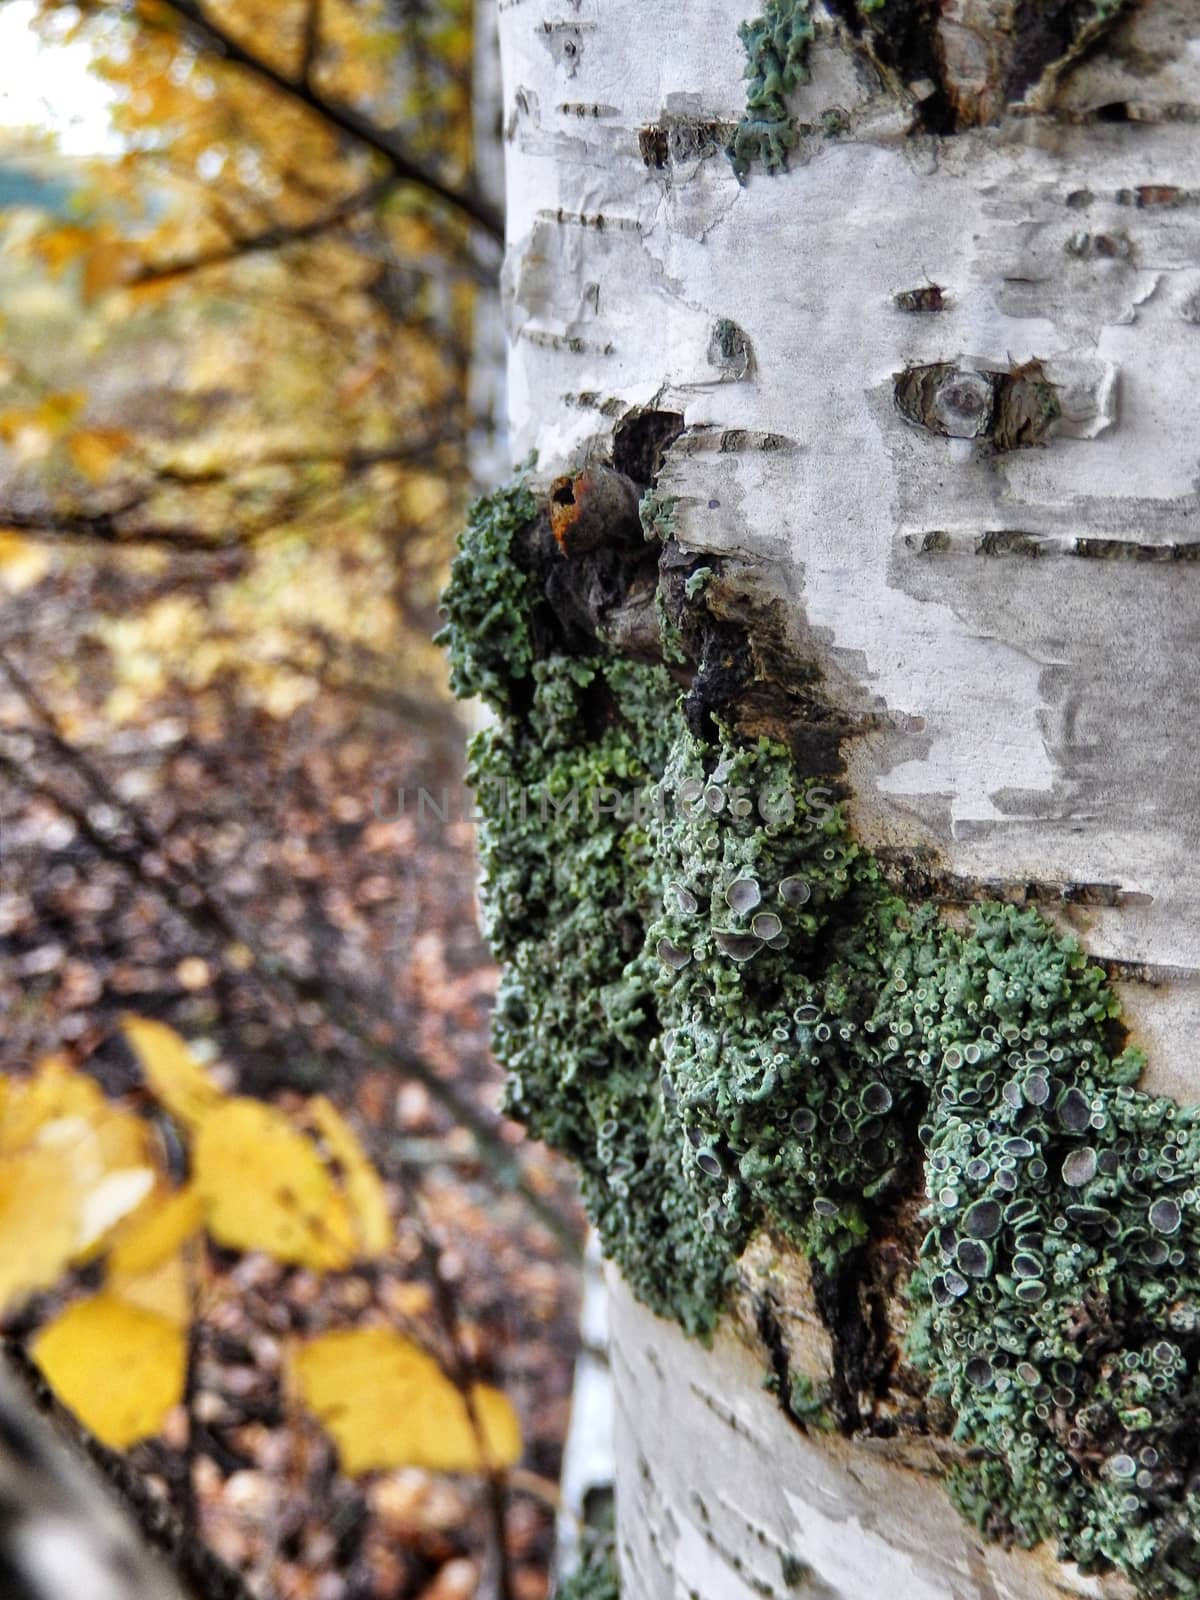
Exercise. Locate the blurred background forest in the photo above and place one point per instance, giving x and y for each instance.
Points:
(246, 276)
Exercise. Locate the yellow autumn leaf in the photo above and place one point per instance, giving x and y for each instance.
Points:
(29, 1105)
(54, 1091)
(108, 264)
(104, 1199)
(58, 247)
(164, 1288)
(98, 452)
(39, 1222)
(385, 1402)
(157, 1234)
(152, 1257)
(122, 1137)
(363, 1185)
(178, 1080)
(57, 411)
(104, 1151)
(264, 1187)
(115, 1172)
(23, 561)
(119, 1367)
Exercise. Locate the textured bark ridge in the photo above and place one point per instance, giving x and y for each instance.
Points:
(912, 426)
(742, 1506)
(955, 63)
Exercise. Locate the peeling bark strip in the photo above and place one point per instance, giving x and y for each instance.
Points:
(928, 298)
(682, 140)
(1007, 727)
(1012, 542)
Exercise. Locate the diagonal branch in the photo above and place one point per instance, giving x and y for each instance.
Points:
(462, 260)
(312, 42)
(123, 524)
(352, 459)
(104, 527)
(272, 238)
(407, 168)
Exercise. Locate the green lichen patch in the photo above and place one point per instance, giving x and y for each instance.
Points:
(713, 1002)
(657, 513)
(776, 45)
(729, 350)
(808, 1405)
(570, 885)
(487, 602)
(596, 1577)
(761, 997)
(1060, 1275)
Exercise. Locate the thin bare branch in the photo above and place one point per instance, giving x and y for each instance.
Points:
(458, 1368)
(275, 237)
(212, 36)
(312, 42)
(352, 459)
(105, 527)
(126, 524)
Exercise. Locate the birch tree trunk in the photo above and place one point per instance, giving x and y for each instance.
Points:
(998, 589)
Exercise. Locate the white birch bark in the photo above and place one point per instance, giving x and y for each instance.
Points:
(1023, 702)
